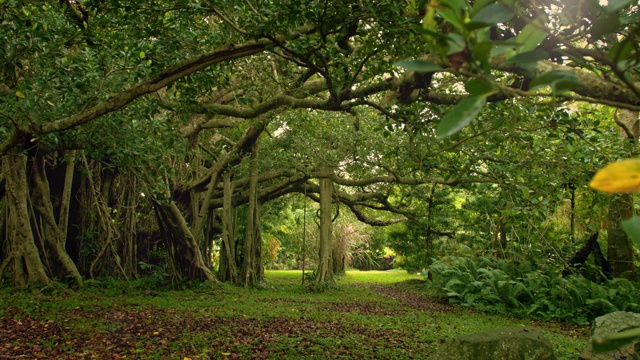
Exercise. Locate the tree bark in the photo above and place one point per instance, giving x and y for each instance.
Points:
(581, 256)
(55, 231)
(227, 269)
(129, 225)
(324, 272)
(199, 270)
(500, 238)
(252, 269)
(619, 250)
(428, 238)
(27, 265)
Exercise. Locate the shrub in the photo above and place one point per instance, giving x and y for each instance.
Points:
(522, 289)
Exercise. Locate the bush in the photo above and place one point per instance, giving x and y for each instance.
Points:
(499, 286)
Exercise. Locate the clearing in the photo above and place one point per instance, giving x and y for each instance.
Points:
(375, 314)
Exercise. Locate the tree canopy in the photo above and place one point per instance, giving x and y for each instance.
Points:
(138, 130)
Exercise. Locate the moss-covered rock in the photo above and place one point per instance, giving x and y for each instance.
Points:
(610, 324)
(512, 343)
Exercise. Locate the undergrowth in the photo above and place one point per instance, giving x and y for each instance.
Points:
(504, 287)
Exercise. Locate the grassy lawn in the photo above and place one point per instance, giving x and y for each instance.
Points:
(374, 314)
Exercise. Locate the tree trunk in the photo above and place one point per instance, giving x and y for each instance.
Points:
(572, 218)
(500, 238)
(428, 238)
(27, 265)
(324, 273)
(581, 256)
(619, 250)
(252, 269)
(55, 231)
(187, 257)
(129, 228)
(99, 222)
(227, 269)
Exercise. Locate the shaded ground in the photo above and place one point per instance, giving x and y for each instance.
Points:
(370, 321)
(132, 333)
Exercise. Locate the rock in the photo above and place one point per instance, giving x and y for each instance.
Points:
(609, 324)
(512, 343)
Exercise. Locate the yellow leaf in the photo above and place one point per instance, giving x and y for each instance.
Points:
(226, 354)
(187, 358)
(619, 177)
(20, 94)
(156, 333)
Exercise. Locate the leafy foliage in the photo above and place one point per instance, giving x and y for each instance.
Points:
(525, 290)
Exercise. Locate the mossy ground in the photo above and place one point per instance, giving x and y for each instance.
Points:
(367, 315)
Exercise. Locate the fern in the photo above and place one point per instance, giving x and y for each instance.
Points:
(496, 286)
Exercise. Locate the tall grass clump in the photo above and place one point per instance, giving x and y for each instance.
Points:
(522, 289)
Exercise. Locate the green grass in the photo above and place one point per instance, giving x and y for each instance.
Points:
(350, 320)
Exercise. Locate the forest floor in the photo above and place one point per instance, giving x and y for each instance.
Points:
(368, 315)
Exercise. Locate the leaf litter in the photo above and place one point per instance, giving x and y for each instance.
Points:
(119, 332)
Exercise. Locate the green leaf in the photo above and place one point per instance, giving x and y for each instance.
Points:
(482, 50)
(531, 36)
(142, 54)
(527, 57)
(478, 87)
(478, 5)
(615, 5)
(632, 228)
(424, 31)
(457, 5)
(456, 43)
(20, 94)
(614, 341)
(453, 12)
(460, 115)
(604, 25)
(418, 65)
(621, 50)
(490, 15)
(429, 21)
(559, 80)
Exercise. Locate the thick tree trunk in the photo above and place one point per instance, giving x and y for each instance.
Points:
(252, 269)
(187, 257)
(619, 250)
(324, 272)
(56, 231)
(27, 265)
(227, 269)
